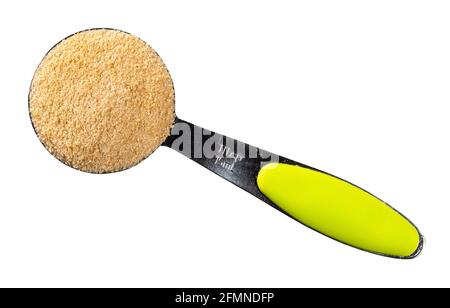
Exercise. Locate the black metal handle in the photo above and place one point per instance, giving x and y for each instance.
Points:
(233, 160)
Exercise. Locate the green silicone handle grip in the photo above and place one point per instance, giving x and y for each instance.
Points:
(339, 210)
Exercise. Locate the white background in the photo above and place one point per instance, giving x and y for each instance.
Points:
(357, 88)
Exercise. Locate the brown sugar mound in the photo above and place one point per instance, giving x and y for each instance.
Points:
(102, 101)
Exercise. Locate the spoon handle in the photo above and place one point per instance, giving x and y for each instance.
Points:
(321, 201)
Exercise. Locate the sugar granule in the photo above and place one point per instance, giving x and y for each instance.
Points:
(102, 101)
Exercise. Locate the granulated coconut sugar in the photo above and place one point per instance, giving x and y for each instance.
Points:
(102, 101)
